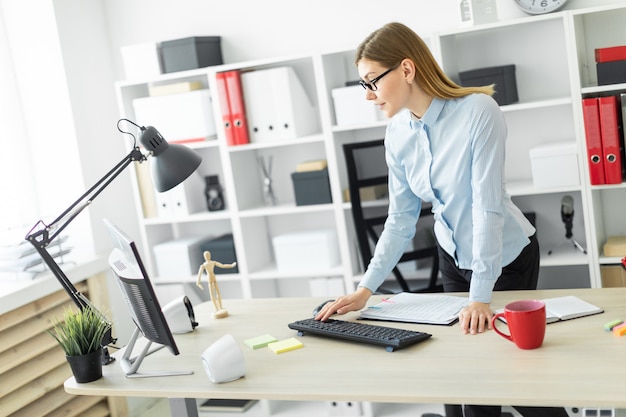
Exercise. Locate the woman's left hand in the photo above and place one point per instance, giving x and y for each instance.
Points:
(475, 318)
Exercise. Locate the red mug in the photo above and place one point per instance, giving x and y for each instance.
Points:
(526, 320)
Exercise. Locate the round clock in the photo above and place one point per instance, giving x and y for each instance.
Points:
(540, 6)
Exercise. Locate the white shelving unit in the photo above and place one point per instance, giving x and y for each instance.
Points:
(554, 58)
(555, 69)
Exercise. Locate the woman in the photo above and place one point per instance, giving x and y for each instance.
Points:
(445, 144)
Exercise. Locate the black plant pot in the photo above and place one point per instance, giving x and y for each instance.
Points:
(88, 367)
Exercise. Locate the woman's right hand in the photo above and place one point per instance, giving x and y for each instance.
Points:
(345, 304)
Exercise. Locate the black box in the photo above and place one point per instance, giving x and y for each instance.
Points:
(190, 53)
(503, 77)
(311, 187)
(223, 251)
(613, 72)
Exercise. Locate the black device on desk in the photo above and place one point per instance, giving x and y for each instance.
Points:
(142, 303)
(390, 337)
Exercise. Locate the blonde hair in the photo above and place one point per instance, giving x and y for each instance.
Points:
(394, 42)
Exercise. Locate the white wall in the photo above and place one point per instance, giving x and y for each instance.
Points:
(252, 29)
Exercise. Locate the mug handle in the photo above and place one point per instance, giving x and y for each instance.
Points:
(494, 319)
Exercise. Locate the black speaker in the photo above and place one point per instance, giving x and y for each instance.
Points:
(213, 193)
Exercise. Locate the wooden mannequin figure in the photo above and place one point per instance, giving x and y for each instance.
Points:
(208, 266)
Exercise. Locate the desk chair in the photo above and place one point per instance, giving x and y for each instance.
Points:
(366, 167)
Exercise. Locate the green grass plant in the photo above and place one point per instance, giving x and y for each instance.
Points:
(80, 332)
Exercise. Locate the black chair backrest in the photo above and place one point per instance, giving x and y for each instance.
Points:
(366, 167)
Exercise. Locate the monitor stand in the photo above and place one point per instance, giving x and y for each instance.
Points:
(131, 365)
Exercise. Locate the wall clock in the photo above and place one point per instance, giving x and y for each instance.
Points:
(540, 6)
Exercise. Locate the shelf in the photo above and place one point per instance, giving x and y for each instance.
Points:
(503, 24)
(599, 89)
(207, 144)
(538, 104)
(195, 217)
(276, 144)
(608, 187)
(610, 260)
(565, 255)
(270, 272)
(522, 188)
(280, 210)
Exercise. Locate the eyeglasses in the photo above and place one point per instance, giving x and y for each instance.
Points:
(371, 85)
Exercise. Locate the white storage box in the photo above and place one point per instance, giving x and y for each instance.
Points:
(351, 107)
(178, 259)
(327, 286)
(184, 199)
(141, 60)
(306, 251)
(184, 117)
(555, 165)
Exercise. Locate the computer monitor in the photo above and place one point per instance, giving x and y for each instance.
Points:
(142, 303)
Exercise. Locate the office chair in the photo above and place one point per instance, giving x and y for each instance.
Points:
(369, 156)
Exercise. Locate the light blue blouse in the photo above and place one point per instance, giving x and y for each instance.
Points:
(453, 157)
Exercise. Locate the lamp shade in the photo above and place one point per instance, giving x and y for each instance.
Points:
(172, 163)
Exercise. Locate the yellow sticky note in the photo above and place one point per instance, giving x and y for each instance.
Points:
(285, 345)
(260, 341)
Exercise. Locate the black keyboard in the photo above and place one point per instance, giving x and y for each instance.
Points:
(389, 337)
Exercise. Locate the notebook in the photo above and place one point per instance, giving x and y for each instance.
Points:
(417, 308)
(567, 308)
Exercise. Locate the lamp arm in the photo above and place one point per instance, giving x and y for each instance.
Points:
(41, 235)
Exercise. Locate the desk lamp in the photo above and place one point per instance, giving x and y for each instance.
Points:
(171, 165)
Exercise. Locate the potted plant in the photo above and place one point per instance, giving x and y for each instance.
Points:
(80, 335)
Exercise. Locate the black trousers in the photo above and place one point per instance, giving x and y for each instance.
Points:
(521, 274)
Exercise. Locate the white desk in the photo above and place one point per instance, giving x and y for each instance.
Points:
(579, 364)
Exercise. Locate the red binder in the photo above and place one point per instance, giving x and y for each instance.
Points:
(610, 54)
(609, 129)
(594, 141)
(222, 93)
(237, 107)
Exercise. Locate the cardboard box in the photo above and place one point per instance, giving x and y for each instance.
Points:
(555, 165)
(191, 53)
(184, 117)
(615, 246)
(178, 258)
(613, 276)
(311, 187)
(371, 193)
(503, 77)
(351, 107)
(314, 250)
